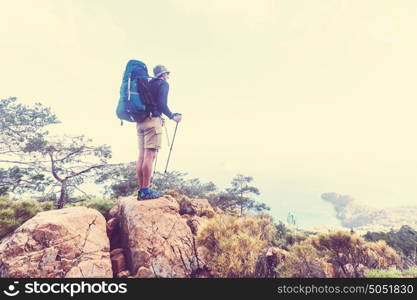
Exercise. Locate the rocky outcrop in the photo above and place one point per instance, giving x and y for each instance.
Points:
(70, 242)
(194, 223)
(150, 239)
(196, 207)
(195, 212)
(156, 239)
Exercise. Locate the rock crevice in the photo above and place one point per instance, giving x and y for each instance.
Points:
(157, 236)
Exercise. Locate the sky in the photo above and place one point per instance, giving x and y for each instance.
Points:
(306, 96)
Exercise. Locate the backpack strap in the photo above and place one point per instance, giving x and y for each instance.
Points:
(128, 87)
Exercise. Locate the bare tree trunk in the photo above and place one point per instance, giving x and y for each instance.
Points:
(62, 197)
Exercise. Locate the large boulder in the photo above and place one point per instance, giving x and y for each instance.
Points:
(157, 240)
(70, 242)
(194, 223)
(196, 207)
(196, 211)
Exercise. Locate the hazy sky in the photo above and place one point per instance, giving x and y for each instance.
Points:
(305, 96)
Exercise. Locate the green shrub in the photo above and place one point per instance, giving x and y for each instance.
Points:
(410, 273)
(102, 205)
(403, 240)
(391, 273)
(49, 205)
(350, 254)
(14, 213)
(8, 222)
(231, 245)
(380, 273)
(293, 238)
(304, 261)
(285, 237)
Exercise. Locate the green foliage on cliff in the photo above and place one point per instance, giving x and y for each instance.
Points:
(286, 237)
(231, 245)
(239, 197)
(391, 273)
(350, 253)
(14, 213)
(304, 260)
(404, 241)
(102, 205)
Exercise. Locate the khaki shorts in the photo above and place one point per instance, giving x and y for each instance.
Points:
(149, 133)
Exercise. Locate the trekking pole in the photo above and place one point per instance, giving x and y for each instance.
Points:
(156, 159)
(172, 144)
(154, 167)
(166, 132)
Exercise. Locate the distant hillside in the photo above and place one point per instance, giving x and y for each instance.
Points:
(363, 218)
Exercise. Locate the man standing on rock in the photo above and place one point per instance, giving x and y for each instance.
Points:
(150, 131)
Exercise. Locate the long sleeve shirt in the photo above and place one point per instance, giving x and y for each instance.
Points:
(159, 89)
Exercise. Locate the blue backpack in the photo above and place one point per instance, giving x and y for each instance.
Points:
(135, 96)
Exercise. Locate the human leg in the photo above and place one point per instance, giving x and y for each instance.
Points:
(151, 131)
(147, 166)
(139, 162)
(139, 172)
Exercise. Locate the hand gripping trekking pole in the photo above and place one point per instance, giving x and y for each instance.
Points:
(172, 144)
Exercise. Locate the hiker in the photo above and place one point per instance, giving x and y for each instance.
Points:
(150, 131)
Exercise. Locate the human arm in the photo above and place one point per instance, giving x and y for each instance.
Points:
(163, 99)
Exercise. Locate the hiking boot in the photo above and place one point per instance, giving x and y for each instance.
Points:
(148, 195)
